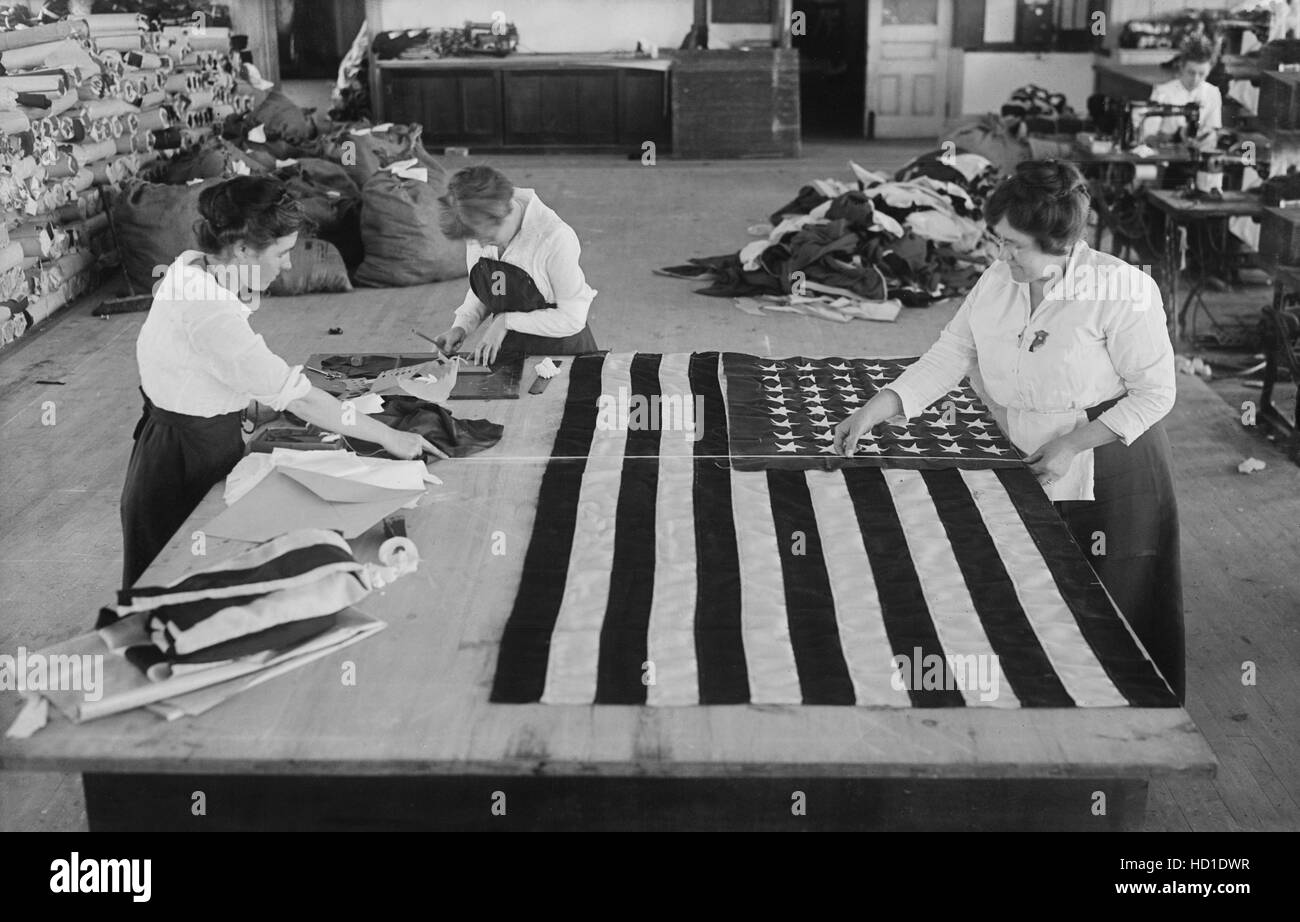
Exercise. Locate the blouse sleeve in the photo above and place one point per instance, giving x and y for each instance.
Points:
(1139, 348)
(943, 365)
(241, 360)
(573, 296)
(471, 311)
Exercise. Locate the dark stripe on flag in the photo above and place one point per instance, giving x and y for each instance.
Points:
(526, 642)
(809, 603)
(902, 600)
(719, 647)
(296, 562)
(1021, 657)
(1115, 648)
(623, 643)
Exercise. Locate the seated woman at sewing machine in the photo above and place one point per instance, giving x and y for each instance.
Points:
(1070, 347)
(523, 271)
(1195, 60)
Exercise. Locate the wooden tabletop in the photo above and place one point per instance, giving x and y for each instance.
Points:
(420, 702)
(1172, 202)
(525, 61)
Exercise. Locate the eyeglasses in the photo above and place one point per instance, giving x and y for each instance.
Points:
(1005, 247)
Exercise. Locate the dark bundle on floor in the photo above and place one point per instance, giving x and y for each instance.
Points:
(916, 238)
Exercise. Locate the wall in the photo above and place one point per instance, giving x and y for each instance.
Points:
(988, 77)
(553, 26)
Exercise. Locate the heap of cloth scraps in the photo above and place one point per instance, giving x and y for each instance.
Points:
(843, 248)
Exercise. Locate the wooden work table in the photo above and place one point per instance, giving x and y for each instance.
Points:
(416, 744)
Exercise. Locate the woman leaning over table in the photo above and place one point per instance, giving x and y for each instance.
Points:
(201, 364)
(1071, 350)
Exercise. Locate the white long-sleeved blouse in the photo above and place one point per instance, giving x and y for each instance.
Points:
(197, 354)
(548, 250)
(1100, 333)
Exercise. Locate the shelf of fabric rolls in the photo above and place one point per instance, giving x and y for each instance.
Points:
(85, 105)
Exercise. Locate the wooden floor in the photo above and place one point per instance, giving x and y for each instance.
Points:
(60, 545)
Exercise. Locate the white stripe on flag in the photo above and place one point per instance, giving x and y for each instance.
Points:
(1075, 663)
(575, 640)
(670, 640)
(764, 623)
(957, 623)
(853, 589)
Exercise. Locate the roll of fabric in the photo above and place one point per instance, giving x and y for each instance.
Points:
(155, 119)
(106, 172)
(53, 84)
(105, 108)
(101, 24)
(82, 180)
(14, 122)
(39, 35)
(97, 150)
(91, 88)
(166, 138)
(11, 255)
(40, 240)
(198, 99)
(64, 102)
(122, 43)
(152, 100)
(64, 165)
(28, 58)
(125, 144)
(142, 60)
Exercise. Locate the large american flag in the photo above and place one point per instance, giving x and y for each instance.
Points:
(660, 573)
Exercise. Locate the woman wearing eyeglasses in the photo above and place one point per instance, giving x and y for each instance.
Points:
(201, 364)
(1069, 347)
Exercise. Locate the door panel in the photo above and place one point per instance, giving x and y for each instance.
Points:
(907, 66)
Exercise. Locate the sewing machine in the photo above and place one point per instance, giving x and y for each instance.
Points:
(1138, 111)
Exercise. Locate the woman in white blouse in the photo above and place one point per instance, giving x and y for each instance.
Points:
(523, 271)
(1069, 347)
(201, 364)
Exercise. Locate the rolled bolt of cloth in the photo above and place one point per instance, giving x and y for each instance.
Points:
(64, 165)
(193, 137)
(101, 24)
(142, 60)
(42, 276)
(82, 180)
(48, 54)
(14, 122)
(109, 172)
(197, 99)
(152, 100)
(90, 152)
(105, 108)
(39, 240)
(91, 88)
(187, 82)
(12, 255)
(40, 35)
(122, 43)
(155, 119)
(13, 287)
(47, 83)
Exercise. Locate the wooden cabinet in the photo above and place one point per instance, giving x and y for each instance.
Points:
(514, 103)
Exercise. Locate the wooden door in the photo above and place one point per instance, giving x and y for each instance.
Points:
(907, 66)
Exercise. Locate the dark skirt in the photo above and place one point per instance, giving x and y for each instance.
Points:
(518, 344)
(1136, 513)
(176, 460)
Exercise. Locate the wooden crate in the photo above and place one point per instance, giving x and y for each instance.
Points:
(729, 104)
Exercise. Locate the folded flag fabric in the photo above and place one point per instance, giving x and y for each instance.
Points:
(783, 413)
(659, 574)
(267, 597)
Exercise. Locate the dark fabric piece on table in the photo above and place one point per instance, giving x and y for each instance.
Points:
(371, 365)
(175, 461)
(457, 437)
(807, 199)
(526, 642)
(1136, 509)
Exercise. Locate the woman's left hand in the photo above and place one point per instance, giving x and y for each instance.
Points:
(486, 351)
(1052, 461)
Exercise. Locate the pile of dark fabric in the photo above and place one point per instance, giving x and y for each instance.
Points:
(370, 193)
(916, 237)
(1041, 111)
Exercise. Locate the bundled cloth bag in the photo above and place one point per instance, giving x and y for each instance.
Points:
(282, 120)
(155, 224)
(457, 437)
(270, 597)
(316, 267)
(400, 234)
(214, 158)
(331, 202)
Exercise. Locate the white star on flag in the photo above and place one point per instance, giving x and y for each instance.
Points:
(807, 367)
(791, 447)
(839, 367)
(874, 368)
(825, 436)
(953, 449)
(779, 411)
(992, 448)
(828, 450)
(982, 436)
(851, 398)
(770, 367)
(914, 449)
(870, 447)
(977, 424)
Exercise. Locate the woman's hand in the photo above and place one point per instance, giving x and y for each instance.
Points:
(410, 445)
(850, 430)
(486, 351)
(1052, 461)
(450, 341)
